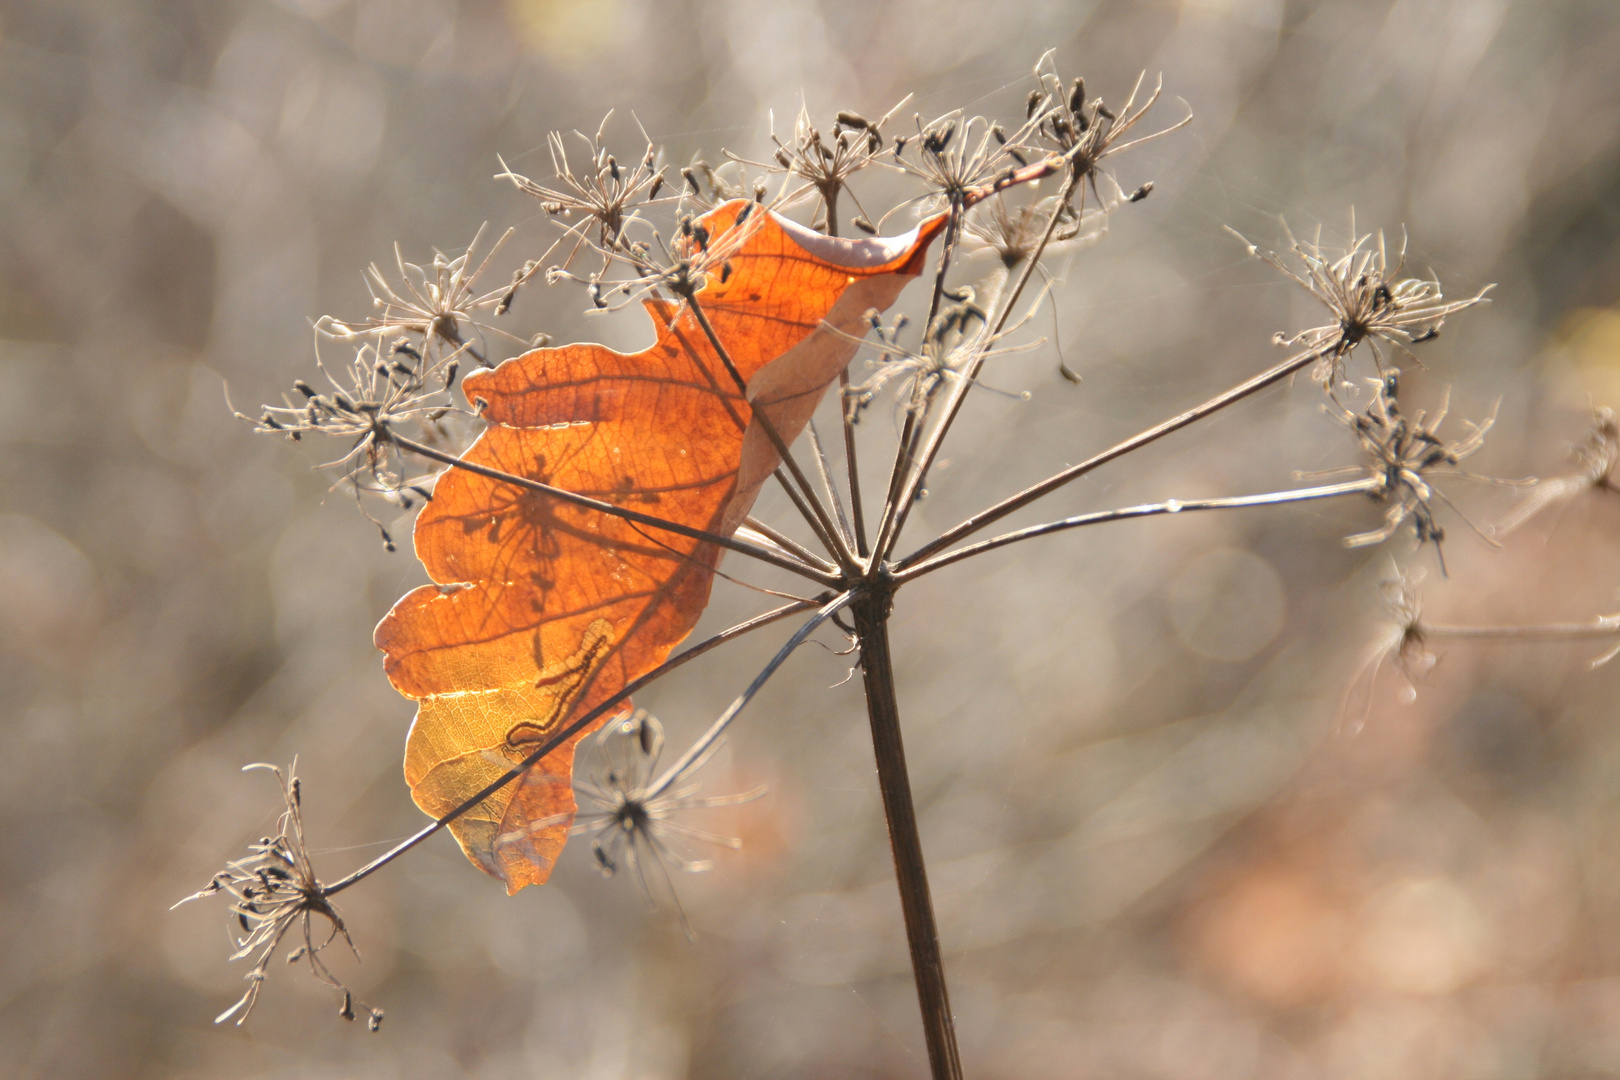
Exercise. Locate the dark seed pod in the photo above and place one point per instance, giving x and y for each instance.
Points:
(657, 182)
(1077, 95)
(1142, 192)
(303, 388)
(865, 226)
(854, 120)
(1032, 103)
(347, 1011)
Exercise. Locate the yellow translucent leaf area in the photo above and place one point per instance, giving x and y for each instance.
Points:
(543, 610)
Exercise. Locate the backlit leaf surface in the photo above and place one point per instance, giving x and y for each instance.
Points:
(542, 609)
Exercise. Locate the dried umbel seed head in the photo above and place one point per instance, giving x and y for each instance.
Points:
(961, 158)
(1595, 461)
(1402, 641)
(629, 810)
(1404, 454)
(605, 195)
(1086, 131)
(1015, 232)
(827, 162)
(274, 892)
(1366, 296)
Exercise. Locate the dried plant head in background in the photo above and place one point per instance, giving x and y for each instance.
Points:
(826, 164)
(436, 306)
(1367, 297)
(629, 809)
(1403, 641)
(602, 199)
(1086, 131)
(958, 338)
(1404, 454)
(1014, 232)
(1595, 467)
(273, 890)
(957, 156)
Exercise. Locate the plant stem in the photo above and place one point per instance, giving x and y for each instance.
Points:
(825, 471)
(904, 493)
(1603, 626)
(914, 421)
(858, 525)
(1135, 442)
(563, 736)
(922, 935)
(751, 550)
(788, 544)
(1169, 506)
(698, 749)
(815, 514)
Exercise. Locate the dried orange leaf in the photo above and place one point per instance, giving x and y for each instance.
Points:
(544, 609)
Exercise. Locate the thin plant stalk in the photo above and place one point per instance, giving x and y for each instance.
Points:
(1013, 503)
(718, 728)
(908, 432)
(751, 550)
(827, 531)
(1169, 506)
(900, 503)
(787, 543)
(824, 471)
(564, 734)
(1602, 627)
(852, 466)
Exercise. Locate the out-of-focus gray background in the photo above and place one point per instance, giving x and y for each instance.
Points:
(1162, 844)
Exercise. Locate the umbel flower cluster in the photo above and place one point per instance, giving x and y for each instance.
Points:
(643, 228)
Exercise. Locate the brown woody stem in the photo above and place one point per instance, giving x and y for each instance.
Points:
(563, 736)
(1169, 506)
(856, 513)
(1153, 434)
(751, 550)
(911, 873)
(903, 496)
(1603, 627)
(815, 514)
